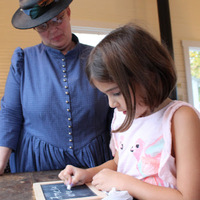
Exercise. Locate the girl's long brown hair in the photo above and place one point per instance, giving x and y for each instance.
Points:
(130, 56)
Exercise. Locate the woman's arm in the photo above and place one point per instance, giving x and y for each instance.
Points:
(4, 156)
(186, 148)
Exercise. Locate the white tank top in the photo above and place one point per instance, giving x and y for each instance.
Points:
(145, 148)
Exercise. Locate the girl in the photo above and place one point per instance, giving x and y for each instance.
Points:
(155, 141)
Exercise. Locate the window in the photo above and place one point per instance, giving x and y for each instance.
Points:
(192, 67)
(90, 39)
(89, 35)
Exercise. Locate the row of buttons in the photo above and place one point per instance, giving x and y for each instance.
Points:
(67, 102)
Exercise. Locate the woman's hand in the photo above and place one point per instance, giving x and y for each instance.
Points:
(4, 157)
(74, 176)
(106, 179)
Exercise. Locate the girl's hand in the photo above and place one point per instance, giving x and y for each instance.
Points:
(106, 179)
(73, 176)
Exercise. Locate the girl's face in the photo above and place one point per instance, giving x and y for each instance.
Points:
(116, 99)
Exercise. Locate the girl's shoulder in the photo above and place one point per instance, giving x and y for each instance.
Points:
(176, 108)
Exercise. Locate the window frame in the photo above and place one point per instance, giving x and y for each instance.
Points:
(91, 30)
(187, 44)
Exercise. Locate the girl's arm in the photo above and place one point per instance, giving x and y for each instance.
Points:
(4, 156)
(186, 148)
(81, 176)
(186, 144)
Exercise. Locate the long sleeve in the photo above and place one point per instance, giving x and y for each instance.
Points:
(11, 111)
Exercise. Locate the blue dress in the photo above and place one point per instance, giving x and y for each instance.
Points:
(50, 114)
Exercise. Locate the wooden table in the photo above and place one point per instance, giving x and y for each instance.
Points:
(19, 186)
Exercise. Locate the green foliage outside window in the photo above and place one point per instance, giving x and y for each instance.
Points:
(195, 63)
(195, 66)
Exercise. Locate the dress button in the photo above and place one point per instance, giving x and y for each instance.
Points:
(70, 133)
(63, 65)
(66, 87)
(68, 109)
(67, 93)
(69, 126)
(67, 101)
(63, 59)
(69, 119)
(70, 140)
(65, 80)
(65, 76)
(70, 147)
(64, 71)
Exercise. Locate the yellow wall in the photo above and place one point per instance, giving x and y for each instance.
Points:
(108, 14)
(185, 20)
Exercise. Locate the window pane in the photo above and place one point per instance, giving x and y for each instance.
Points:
(90, 39)
(195, 75)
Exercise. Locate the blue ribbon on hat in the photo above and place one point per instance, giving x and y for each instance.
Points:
(36, 11)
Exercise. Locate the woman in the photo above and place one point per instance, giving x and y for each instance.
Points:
(50, 115)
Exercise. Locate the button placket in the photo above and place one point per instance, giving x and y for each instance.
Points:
(67, 102)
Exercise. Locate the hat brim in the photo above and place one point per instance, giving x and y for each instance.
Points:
(22, 21)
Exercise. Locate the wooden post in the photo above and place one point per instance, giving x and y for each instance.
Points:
(165, 31)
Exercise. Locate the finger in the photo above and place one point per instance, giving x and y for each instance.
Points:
(77, 183)
(65, 176)
(69, 181)
(94, 183)
(60, 175)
